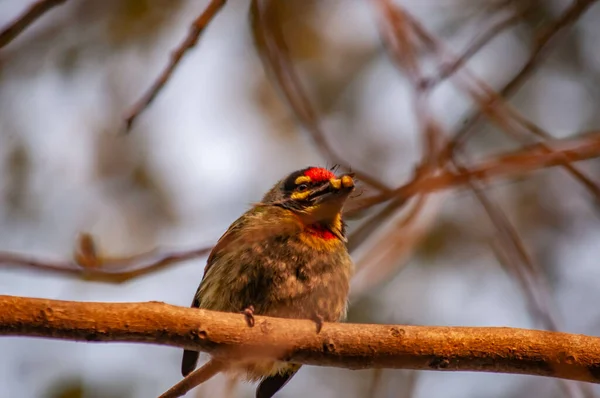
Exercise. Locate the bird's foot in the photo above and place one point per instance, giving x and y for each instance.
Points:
(318, 319)
(249, 315)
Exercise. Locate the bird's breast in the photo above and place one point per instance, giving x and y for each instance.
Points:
(280, 276)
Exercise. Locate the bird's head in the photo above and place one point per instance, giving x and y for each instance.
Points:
(316, 195)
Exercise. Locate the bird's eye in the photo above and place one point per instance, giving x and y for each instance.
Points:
(302, 188)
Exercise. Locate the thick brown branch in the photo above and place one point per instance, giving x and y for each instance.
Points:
(190, 41)
(16, 27)
(502, 350)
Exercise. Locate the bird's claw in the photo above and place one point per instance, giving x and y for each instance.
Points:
(249, 315)
(318, 319)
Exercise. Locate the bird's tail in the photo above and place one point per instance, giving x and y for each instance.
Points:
(271, 384)
(189, 361)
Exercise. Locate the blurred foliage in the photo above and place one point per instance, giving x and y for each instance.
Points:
(66, 388)
(76, 388)
(327, 67)
(16, 179)
(136, 22)
(87, 30)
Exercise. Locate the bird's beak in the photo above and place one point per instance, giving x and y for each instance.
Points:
(328, 200)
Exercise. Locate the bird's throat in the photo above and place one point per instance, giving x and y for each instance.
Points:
(332, 229)
(321, 231)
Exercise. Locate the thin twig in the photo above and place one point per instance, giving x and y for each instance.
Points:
(400, 41)
(274, 53)
(520, 263)
(398, 38)
(541, 46)
(22, 22)
(512, 164)
(362, 232)
(569, 17)
(388, 255)
(522, 267)
(108, 270)
(449, 69)
(194, 379)
(196, 29)
(494, 106)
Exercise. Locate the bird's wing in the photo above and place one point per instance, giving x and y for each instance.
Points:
(270, 385)
(190, 358)
(246, 230)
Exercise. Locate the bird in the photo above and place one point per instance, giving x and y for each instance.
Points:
(285, 257)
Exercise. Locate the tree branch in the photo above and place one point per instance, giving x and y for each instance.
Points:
(16, 27)
(274, 54)
(541, 46)
(88, 265)
(352, 346)
(190, 41)
(518, 163)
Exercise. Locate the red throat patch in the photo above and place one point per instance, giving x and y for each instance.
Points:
(321, 232)
(318, 174)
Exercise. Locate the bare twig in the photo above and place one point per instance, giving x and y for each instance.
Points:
(520, 263)
(190, 41)
(513, 164)
(350, 346)
(398, 21)
(449, 69)
(494, 106)
(387, 255)
(541, 46)
(400, 40)
(362, 232)
(194, 379)
(522, 267)
(88, 265)
(272, 48)
(35, 11)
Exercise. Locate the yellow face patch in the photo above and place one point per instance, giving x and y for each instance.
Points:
(302, 180)
(300, 195)
(336, 183)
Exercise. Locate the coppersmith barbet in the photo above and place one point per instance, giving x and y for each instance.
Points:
(285, 257)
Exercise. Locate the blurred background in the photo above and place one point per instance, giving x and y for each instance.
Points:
(221, 133)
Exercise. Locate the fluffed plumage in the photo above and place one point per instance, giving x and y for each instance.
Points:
(285, 257)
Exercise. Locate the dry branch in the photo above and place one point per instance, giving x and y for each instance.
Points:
(352, 346)
(509, 165)
(35, 11)
(479, 43)
(514, 164)
(91, 267)
(190, 41)
(496, 108)
(543, 40)
(274, 53)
